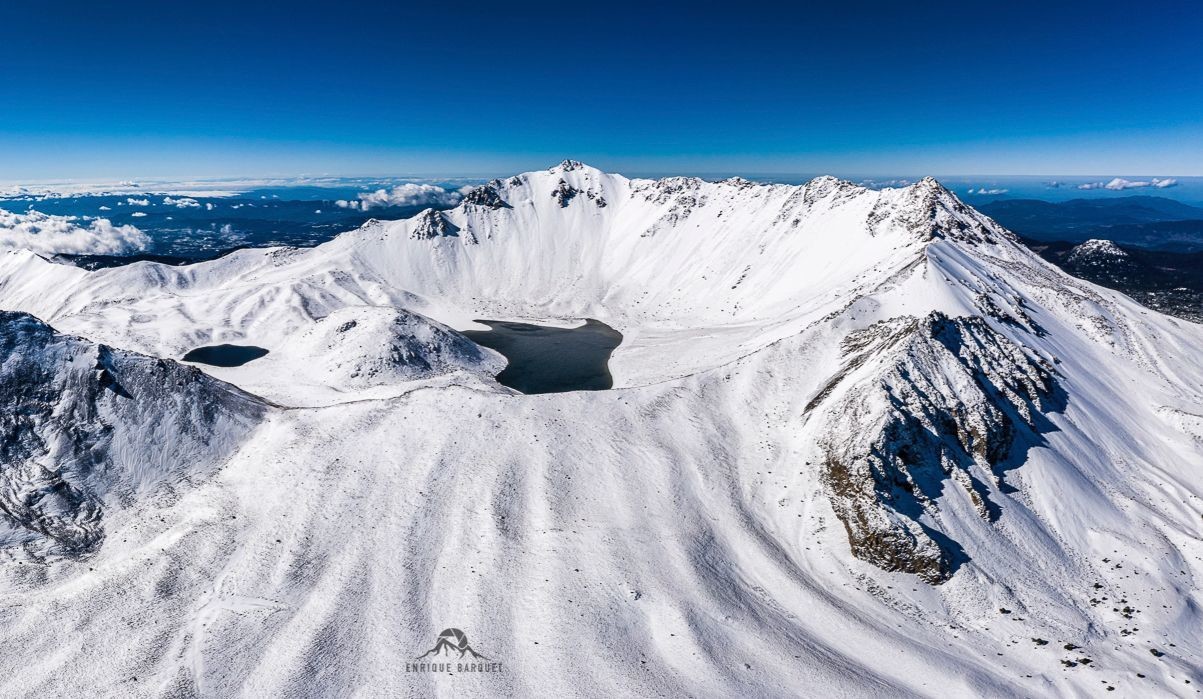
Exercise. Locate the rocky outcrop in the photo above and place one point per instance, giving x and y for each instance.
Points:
(569, 166)
(82, 424)
(486, 196)
(920, 403)
(564, 193)
(432, 224)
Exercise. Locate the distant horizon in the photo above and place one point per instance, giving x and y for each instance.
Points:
(631, 173)
(974, 188)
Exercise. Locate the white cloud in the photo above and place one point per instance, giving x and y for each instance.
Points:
(198, 189)
(885, 184)
(1119, 184)
(227, 229)
(209, 206)
(138, 214)
(137, 202)
(48, 235)
(408, 194)
(182, 202)
(106, 208)
(988, 192)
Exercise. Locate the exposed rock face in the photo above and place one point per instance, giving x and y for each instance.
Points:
(564, 193)
(487, 196)
(81, 422)
(661, 191)
(920, 403)
(569, 166)
(682, 207)
(432, 224)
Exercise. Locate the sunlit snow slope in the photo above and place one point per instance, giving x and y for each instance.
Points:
(862, 443)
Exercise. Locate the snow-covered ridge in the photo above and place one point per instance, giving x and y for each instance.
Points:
(928, 401)
(827, 398)
(86, 424)
(568, 242)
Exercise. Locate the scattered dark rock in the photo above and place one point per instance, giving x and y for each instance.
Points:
(486, 196)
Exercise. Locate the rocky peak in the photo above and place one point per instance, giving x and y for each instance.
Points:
(930, 212)
(487, 196)
(564, 193)
(569, 166)
(430, 224)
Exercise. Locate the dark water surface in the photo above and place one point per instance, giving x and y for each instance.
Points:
(544, 359)
(225, 355)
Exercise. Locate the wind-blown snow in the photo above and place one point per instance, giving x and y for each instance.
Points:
(683, 534)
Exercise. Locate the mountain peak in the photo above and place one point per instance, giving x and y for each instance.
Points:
(430, 223)
(570, 165)
(1098, 246)
(930, 184)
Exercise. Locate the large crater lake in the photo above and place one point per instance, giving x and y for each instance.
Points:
(545, 359)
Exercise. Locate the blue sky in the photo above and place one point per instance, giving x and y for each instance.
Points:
(142, 89)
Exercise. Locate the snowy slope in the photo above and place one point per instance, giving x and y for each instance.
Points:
(862, 443)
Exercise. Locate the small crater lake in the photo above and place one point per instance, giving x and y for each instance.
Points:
(545, 359)
(225, 355)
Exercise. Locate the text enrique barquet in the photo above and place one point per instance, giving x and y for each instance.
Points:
(452, 668)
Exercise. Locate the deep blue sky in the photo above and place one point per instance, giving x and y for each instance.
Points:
(142, 89)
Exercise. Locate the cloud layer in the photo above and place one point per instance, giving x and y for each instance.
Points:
(408, 194)
(48, 235)
(1120, 183)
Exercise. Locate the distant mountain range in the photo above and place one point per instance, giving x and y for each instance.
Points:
(1150, 222)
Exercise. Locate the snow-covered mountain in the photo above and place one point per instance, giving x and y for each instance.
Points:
(860, 443)
(87, 426)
